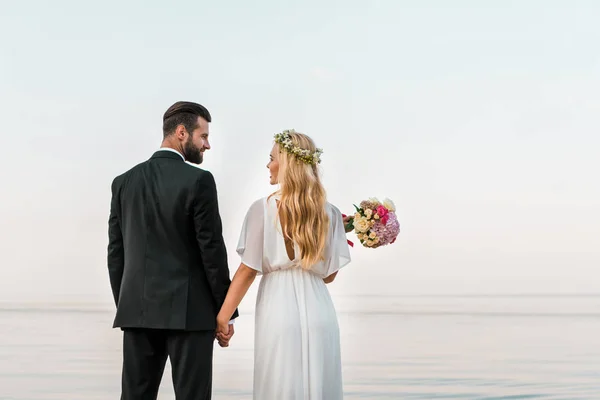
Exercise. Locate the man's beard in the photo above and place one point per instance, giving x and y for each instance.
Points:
(191, 152)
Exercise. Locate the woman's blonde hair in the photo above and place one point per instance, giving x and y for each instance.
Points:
(301, 208)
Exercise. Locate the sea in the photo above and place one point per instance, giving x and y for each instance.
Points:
(485, 347)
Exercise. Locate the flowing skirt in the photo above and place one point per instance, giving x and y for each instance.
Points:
(297, 339)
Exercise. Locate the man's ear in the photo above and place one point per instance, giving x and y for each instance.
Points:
(180, 132)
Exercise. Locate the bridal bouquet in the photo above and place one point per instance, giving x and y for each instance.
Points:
(375, 223)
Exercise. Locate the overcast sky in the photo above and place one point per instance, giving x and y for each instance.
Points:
(479, 119)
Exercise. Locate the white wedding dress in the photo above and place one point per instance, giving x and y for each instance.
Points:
(297, 339)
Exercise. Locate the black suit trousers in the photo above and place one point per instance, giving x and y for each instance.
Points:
(145, 353)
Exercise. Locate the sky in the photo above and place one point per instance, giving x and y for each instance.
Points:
(479, 119)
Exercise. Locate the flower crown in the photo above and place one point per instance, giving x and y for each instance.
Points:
(285, 141)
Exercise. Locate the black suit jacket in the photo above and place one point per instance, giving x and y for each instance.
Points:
(166, 255)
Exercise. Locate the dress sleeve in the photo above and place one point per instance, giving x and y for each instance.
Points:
(251, 242)
(339, 251)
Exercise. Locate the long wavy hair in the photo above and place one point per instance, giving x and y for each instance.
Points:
(301, 208)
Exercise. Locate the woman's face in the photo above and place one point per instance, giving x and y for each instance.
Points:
(273, 164)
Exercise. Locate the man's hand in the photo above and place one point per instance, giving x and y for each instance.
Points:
(224, 333)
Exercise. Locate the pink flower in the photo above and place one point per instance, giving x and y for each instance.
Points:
(383, 214)
(387, 232)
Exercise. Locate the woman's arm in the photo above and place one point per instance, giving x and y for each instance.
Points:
(240, 284)
(330, 278)
(347, 220)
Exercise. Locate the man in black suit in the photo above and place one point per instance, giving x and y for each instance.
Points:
(167, 262)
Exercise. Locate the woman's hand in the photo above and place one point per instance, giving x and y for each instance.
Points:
(348, 219)
(224, 331)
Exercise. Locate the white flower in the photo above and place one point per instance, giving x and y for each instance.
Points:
(361, 224)
(389, 204)
(374, 200)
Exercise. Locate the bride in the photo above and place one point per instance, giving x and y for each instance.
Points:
(297, 241)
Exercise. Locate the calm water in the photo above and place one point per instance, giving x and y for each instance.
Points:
(478, 347)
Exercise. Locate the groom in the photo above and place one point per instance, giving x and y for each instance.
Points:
(167, 262)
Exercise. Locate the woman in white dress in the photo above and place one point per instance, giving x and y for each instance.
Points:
(296, 240)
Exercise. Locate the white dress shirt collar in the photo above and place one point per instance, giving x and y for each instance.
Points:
(172, 150)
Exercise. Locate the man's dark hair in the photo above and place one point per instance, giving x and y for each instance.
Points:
(184, 113)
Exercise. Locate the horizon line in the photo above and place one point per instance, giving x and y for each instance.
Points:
(11, 305)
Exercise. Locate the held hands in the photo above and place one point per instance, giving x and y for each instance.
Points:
(224, 332)
(242, 280)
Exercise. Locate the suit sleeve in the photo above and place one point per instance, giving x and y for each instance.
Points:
(115, 259)
(209, 235)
